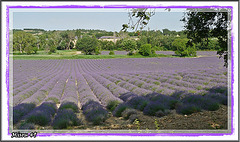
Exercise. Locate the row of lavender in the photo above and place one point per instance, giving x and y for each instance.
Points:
(96, 96)
(199, 53)
(89, 85)
(35, 69)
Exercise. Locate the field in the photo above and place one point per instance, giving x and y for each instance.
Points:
(130, 93)
(74, 54)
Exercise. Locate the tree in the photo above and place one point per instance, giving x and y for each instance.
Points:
(181, 48)
(50, 48)
(35, 49)
(23, 41)
(62, 46)
(71, 45)
(200, 26)
(87, 44)
(166, 32)
(68, 37)
(42, 41)
(119, 45)
(129, 45)
(111, 52)
(142, 16)
(106, 45)
(146, 50)
(78, 33)
(142, 40)
(97, 51)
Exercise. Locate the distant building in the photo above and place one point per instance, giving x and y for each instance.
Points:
(115, 39)
(109, 38)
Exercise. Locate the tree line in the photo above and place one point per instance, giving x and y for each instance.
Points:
(205, 28)
(146, 42)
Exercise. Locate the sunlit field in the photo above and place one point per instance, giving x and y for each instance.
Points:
(123, 93)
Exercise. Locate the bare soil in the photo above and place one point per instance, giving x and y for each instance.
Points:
(198, 121)
(205, 120)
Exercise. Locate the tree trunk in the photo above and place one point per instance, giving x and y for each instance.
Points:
(20, 48)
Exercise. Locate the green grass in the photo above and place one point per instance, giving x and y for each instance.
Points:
(72, 54)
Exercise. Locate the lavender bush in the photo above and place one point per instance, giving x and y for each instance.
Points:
(21, 110)
(94, 112)
(69, 105)
(151, 85)
(42, 115)
(65, 118)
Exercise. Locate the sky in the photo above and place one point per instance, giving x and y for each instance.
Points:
(109, 21)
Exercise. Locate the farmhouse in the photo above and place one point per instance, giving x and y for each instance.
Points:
(110, 38)
(114, 39)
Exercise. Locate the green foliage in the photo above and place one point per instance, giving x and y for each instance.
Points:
(62, 45)
(211, 45)
(87, 45)
(153, 51)
(156, 124)
(111, 52)
(132, 52)
(200, 26)
(166, 32)
(112, 105)
(119, 109)
(35, 49)
(137, 123)
(142, 40)
(142, 16)
(28, 49)
(166, 42)
(106, 45)
(99, 119)
(119, 45)
(97, 51)
(189, 109)
(37, 119)
(65, 118)
(213, 106)
(49, 41)
(146, 50)
(129, 45)
(69, 105)
(181, 48)
(50, 47)
(24, 42)
(71, 45)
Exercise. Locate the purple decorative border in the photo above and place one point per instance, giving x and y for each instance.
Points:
(7, 61)
(123, 134)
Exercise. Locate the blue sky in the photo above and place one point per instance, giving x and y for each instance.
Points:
(109, 21)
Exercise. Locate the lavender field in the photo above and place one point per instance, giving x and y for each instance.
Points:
(63, 93)
(199, 53)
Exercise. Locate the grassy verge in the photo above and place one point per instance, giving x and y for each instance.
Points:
(73, 54)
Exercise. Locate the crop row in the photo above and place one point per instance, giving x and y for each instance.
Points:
(60, 92)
